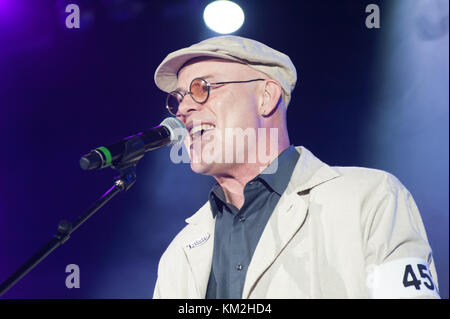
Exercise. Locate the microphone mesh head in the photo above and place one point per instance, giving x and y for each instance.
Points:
(176, 128)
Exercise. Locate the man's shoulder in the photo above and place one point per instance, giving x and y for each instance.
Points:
(360, 180)
(357, 173)
(344, 177)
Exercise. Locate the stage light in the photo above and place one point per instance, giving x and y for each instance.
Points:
(223, 16)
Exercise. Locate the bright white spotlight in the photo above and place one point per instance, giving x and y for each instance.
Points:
(223, 16)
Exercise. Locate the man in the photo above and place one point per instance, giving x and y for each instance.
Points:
(285, 225)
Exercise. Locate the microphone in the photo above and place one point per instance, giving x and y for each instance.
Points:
(132, 148)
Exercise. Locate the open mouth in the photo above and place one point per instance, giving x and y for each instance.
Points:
(198, 130)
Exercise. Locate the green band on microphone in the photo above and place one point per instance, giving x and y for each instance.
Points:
(107, 154)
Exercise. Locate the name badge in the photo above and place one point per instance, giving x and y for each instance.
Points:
(199, 241)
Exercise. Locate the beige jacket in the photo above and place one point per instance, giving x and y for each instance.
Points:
(337, 232)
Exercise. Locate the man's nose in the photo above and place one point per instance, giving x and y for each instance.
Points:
(188, 105)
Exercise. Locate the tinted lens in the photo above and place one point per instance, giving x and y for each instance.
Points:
(199, 90)
(173, 100)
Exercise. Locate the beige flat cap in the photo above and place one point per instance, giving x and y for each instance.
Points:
(256, 55)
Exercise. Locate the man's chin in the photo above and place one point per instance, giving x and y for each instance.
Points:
(203, 168)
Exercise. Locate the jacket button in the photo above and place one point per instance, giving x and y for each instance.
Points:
(239, 267)
(242, 219)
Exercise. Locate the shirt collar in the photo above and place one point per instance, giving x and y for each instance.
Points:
(308, 173)
(279, 172)
(217, 199)
(276, 176)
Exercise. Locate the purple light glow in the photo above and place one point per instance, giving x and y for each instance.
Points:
(9, 10)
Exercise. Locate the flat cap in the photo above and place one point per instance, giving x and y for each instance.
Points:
(256, 55)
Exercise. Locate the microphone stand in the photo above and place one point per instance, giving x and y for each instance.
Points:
(127, 177)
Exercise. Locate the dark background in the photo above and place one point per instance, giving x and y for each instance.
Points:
(365, 97)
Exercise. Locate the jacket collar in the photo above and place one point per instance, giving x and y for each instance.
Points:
(308, 173)
(202, 217)
(287, 218)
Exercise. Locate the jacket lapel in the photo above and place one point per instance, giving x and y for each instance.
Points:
(288, 216)
(199, 246)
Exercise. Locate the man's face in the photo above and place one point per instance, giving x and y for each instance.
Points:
(230, 107)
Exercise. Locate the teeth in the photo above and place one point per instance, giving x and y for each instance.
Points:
(199, 128)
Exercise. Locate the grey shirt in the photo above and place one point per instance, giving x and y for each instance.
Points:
(237, 232)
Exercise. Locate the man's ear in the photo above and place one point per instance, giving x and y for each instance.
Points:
(271, 98)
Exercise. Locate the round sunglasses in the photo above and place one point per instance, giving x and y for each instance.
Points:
(198, 90)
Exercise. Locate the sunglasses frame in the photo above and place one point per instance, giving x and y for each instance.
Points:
(208, 85)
